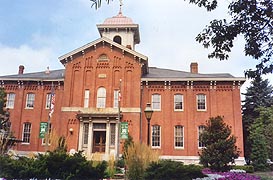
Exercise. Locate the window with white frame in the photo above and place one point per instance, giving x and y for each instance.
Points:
(30, 100)
(201, 102)
(200, 131)
(178, 102)
(179, 136)
(26, 133)
(85, 134)
(156, 101)
(101, 97)
(10, 100)
(116, 98)
(86, 98)
(156, 136)
(48, 97)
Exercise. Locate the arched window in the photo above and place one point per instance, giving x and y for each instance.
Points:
(117, 39)
(101, 97)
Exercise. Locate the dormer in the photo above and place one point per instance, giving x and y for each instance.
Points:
(121, 30)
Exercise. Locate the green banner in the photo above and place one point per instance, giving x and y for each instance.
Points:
(123, 130)
(43, 129)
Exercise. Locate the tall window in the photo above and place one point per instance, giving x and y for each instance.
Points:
(10, 100)
(178, 136)
(200, 131)
(156, 102)
(47, 135)
(201, 102)
(48, 97)
(178, 102)
(85, 134)
(156, 136)
(116, 98)
(30, 100)
(112, 134)
(101, 97)
(86, 98)
(26, 132)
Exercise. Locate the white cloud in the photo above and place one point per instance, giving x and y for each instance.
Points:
(33, 59)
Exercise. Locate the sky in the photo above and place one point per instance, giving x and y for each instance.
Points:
(34, 33)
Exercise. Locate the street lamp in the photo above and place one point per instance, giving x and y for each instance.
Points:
(148, 114)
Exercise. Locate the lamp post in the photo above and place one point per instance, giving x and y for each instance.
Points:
(148, 114)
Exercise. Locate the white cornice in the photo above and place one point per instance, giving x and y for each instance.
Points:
(241, 79)
(102, 39)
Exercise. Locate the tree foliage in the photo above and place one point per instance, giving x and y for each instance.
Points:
(220, 148)
(259, 94)
(250, 19)
(259, 152)
(253, 20)
(261, 134)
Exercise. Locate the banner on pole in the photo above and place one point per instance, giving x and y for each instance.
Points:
(43, 129)
(124, 130)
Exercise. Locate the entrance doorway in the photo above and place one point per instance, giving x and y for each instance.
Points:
(99, 140)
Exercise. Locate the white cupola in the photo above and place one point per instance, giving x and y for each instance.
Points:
(121, 30)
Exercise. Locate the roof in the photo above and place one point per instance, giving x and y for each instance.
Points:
(53, 75)
(118, 19)
(120, 22)
(155, 74)
(160, 74)
(68, 56)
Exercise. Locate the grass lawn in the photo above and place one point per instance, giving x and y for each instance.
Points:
(265, 175)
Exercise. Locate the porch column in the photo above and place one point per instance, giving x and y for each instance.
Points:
(90, 138)
(107, 143)
(80, 136)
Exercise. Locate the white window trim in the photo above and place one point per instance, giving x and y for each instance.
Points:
(47, 100)
(86, 98)
(8, 100)
(116, 98)
(205, 102)
(182, 103)
(99, 97)
(159, 102)
(199, 147)
(27, 96)
(26, 143)
(176, 147)
(160, 137)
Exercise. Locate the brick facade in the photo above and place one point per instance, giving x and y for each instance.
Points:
(111, 67)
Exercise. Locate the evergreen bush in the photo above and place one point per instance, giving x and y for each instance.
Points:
(167, 169)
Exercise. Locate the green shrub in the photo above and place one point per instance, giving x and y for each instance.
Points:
(247, 168)
(55, 165)
(167, 169)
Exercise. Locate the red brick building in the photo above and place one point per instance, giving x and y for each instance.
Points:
(86, 93)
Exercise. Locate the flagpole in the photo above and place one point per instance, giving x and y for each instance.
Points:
(118, 138)
(49, 118)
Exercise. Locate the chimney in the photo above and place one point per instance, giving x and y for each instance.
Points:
(21, 69)
(194, 67)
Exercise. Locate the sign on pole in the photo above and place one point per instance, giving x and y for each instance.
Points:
(43, 129)
(124, 130)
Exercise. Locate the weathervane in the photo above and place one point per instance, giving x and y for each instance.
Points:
(120, 5)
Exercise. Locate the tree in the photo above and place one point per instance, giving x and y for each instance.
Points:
(259, 94)
(259, 150)
(261, 135)
(251, 19)
(220, 145)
